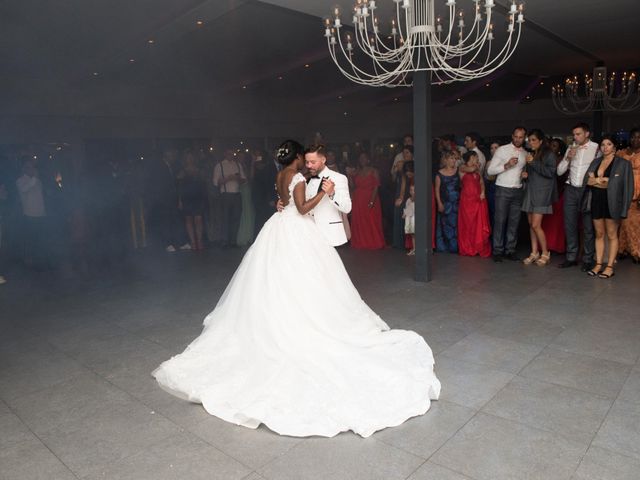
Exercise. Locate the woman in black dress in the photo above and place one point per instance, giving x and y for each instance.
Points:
(610, 183)
(192, 191)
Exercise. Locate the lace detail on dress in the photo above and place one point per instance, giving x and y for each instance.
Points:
(297, 178)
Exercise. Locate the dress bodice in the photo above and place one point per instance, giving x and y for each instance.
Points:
(297, 178)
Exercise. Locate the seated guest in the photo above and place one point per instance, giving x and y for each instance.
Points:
(610, 183)
(447, 191)
(473, 214)
(630, 226)
(540, 192)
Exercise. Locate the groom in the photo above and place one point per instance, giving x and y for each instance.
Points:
(328, 214)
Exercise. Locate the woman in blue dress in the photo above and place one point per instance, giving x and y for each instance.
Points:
(447, 190)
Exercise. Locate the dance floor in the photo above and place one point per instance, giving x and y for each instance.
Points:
(539, 367)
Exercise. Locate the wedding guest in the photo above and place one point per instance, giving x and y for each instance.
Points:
(610, 182)
(366, 213)
(228, 175)
(396, 167)
(474, 230)
(630, 226)
(576, 161)
(507, 164)
(409, 216)
(33, 214)
(471, 143)
(540, 192)
(247, 218)
(447, 192)
(553, 225)
(262, 189)
(162, 196)
(192, 199)
(401, 193)
(490, 184)
(4, 195)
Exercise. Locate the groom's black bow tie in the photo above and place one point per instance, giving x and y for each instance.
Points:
(310, 178)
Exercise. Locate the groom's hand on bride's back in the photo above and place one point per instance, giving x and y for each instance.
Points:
(280, 205)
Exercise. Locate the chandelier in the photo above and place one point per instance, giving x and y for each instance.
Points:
(599, 92)
(418, 39)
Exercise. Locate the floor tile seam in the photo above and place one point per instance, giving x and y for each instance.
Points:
(582, 445)
(543, 345)
(554, 432)
(38, 390)
(593, 357)
(475, 414)
(180, 428)
(42, 442)
(477, 364)
(604, 418)
(415, 469)
(454, 470)
(260, 469)
(564, 349)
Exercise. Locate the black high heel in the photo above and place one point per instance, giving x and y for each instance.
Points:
(593, 272)
(604, 275)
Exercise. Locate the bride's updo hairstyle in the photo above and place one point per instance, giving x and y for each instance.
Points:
(288, 152)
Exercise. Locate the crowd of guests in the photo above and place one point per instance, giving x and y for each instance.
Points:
(581, 199)
(584, 197)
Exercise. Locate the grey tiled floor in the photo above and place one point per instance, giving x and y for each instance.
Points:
(539, 368)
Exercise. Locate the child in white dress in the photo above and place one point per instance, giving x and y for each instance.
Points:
(409, 215)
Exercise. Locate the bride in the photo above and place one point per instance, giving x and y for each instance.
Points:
(292, 345)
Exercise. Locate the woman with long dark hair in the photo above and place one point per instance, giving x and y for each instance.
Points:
(540, 192)
(610, 182)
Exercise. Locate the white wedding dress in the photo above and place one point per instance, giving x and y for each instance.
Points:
(292, 345)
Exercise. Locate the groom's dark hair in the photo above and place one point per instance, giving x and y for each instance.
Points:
(316, 148)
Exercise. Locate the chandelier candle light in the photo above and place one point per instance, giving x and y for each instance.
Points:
(420, 40)
(421, 46)
(597, 93)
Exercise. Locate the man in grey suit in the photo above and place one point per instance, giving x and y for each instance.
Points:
(577, 160)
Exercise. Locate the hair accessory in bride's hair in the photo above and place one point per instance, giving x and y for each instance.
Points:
(282, 152)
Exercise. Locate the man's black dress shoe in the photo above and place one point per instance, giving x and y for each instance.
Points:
(512, 256)
(567, 264)
(587, 266)
(497, 258)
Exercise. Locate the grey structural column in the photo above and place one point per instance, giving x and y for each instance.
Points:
(423, 174)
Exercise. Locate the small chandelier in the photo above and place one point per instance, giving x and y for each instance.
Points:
(599, 92)
(449, 46)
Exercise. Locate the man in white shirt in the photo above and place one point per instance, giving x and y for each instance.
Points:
(576, 160)
(228, 175)
(507, 165)
(471, 141)
(34, 215)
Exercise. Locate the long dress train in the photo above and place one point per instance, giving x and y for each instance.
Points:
(292, 345)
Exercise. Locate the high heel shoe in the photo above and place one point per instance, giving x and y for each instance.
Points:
(605, 275)
(531, 258)
(593, 272)
(544, 259)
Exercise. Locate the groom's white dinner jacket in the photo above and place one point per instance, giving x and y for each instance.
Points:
(328, 213)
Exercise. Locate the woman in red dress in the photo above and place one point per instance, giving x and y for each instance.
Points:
(366, 213)
(473, 212)
(553, 225)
